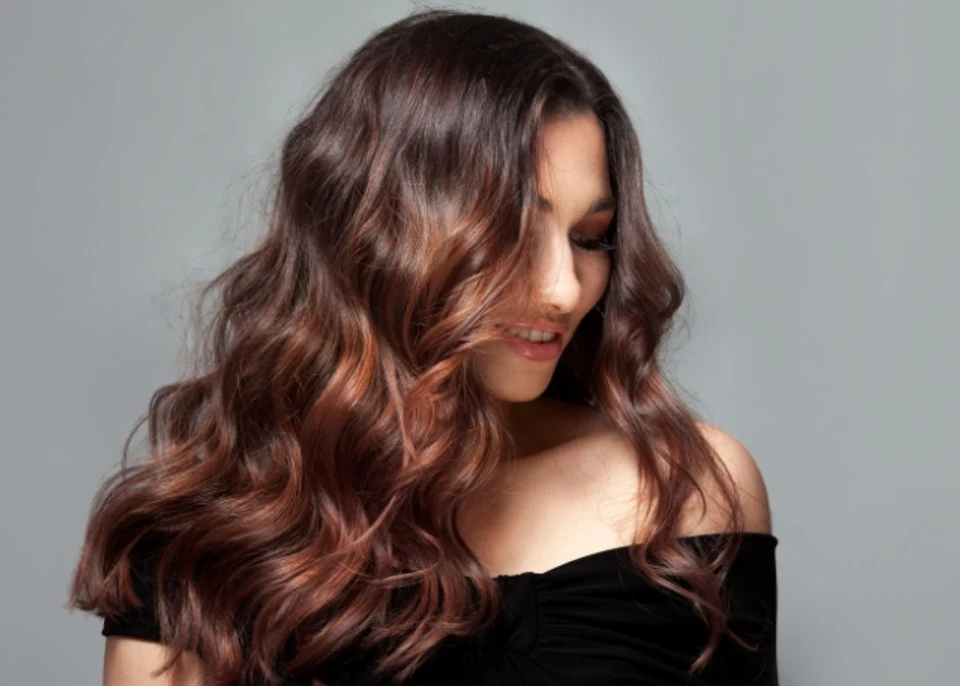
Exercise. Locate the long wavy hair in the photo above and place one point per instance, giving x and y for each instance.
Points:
(306, 475)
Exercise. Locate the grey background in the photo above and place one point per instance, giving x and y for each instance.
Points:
(802, 161)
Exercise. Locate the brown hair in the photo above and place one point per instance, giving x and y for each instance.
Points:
(306, 476)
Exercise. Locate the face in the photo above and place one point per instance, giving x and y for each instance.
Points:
(576, 211)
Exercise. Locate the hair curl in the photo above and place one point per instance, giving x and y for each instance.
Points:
(306, 476)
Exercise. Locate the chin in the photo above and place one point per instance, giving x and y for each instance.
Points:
(518, 393)
(510, 379)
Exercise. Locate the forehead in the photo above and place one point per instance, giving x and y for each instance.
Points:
(572, 171)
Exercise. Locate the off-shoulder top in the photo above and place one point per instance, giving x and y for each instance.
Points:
(592, 621)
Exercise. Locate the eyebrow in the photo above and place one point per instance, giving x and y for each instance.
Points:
(601, 205)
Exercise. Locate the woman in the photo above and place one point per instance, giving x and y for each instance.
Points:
(430, 441)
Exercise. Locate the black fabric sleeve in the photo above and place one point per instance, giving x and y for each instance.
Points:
(752, 588)
(140, 622)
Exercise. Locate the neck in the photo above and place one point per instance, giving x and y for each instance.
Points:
(524, 422)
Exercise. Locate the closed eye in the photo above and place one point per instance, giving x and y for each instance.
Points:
(594, 244)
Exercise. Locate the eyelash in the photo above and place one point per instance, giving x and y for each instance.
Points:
(595, 245)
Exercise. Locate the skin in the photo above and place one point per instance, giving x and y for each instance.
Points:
(129, 662)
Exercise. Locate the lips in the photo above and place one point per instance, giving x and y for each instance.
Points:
(543, 325)
(533, 335)
(538, 352)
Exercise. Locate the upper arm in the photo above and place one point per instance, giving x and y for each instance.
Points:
(751, 490)
(131, 661)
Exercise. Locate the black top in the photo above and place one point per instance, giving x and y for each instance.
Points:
(593, 621)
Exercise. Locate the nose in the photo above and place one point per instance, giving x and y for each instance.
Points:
(559, 281)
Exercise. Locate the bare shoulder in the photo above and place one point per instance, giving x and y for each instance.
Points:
(748, 479)
(132, 661)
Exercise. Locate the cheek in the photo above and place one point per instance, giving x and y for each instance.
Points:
(594, 279)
